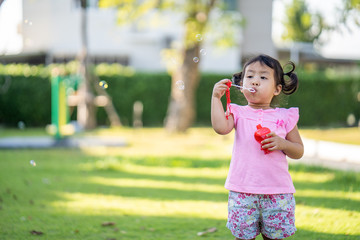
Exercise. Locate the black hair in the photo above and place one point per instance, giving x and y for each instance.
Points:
(289, 85)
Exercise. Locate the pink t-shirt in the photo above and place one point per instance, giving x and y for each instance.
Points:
(251, 170)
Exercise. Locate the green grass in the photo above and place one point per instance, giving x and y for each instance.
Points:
(340, 135)
(160, 186)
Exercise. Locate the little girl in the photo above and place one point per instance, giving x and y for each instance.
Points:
(261, 190)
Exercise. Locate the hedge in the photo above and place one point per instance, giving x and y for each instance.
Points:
(322, 101)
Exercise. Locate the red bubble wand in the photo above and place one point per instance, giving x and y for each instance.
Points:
(228, 101)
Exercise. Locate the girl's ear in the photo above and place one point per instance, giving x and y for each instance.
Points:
(278, 89)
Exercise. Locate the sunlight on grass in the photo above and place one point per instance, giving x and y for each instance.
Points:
(131, 182)
(98, 204)
(194, 143)
(179, 172)
(113, 164)
(340, 135)
(330, 221)
(329, 194)
(312, 177)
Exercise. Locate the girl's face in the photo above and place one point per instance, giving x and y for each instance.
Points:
(261, 78)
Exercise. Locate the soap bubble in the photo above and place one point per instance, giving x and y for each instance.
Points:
(199, 37)
(180, 85)
(196, 59)
(103, 84)
(351, 120)
(21, 125)
(28, 22)
(203, 52)
(33, 163)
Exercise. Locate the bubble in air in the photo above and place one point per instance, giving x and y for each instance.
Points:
(33, 163)
(28, 22)
(21, 125)
(180, 85)
(103, 84)
(199, 37)
(203, 52)
(196, 59)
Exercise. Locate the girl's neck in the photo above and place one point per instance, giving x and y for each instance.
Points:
(260, 106)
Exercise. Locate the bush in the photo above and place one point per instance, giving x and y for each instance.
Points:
(323, 101)
(28, 99)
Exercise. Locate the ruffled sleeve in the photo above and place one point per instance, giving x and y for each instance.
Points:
(236, 111)
(292, 116)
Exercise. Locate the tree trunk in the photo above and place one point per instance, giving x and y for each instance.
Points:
(182, 110)
(109, 107)
(86, 108)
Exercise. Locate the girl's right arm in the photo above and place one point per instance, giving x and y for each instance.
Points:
(220, 124)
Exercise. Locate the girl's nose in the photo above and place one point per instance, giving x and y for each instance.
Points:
(255, 83)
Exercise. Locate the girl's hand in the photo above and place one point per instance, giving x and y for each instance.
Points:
(220, 88)
(274, 142)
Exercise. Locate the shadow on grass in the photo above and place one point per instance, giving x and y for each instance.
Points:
(89, 227)
(328, 202)
(174, 161)
(338, 182)
(152, 193)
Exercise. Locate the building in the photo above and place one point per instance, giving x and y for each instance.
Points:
(48, 31)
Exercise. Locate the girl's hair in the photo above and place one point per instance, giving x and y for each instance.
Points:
(289, 85)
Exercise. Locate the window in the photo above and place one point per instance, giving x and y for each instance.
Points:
(231, 5)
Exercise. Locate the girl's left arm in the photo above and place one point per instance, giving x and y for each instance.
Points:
(295, 146)
(292, 145)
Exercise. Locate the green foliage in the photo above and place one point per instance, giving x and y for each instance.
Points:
(196, 18)
(350, 11)
(27, 100)
(153, 90)
(301, 25)
(326, 102)
(323, 99)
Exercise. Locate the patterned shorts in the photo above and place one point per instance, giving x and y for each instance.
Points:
(272, 215)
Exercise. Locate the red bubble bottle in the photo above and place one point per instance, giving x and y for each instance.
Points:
(260, 135)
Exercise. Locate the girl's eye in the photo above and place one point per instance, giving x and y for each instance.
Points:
(263, 78)
(249, 76)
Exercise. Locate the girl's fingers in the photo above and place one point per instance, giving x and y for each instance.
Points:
(272, 134)
(269, 146)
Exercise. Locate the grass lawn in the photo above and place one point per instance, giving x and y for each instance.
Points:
(158, 187)
(340, 135)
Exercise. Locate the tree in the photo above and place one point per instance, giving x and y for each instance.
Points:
(181, 109)
(301, 25)
(350, 11)
(1, 2)
(185, 76)
(86, 108)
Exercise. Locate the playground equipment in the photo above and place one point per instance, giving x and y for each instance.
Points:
(61, 87)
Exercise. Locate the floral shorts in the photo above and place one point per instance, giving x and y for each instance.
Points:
(272, 215)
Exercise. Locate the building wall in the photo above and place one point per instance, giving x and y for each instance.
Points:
(10, 23)
(53, 27)
(257, 33)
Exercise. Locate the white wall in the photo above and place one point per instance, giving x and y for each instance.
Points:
(53, 26)
(10, 27)
(258, 29)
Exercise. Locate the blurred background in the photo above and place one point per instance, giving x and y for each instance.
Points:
(153, 63)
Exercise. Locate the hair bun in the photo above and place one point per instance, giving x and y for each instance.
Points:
(290, 85)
